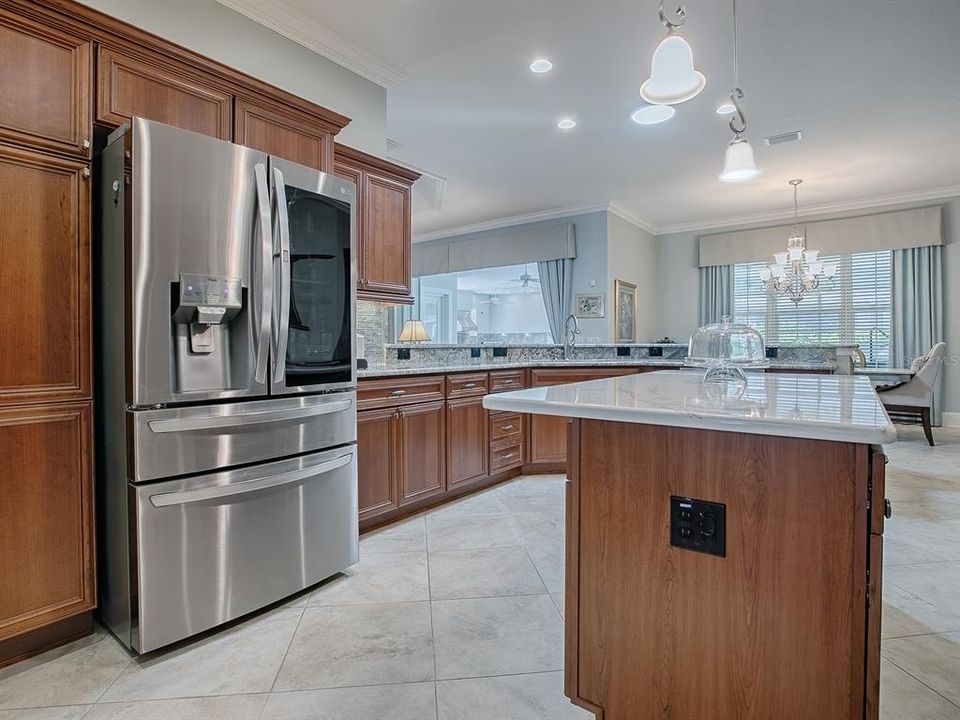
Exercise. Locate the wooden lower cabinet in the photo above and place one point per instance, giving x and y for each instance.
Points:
(377, 462)
(46, 529)
(422, 455)
(467, 444)
(548, 434)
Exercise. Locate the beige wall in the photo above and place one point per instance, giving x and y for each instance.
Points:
(213, 30)
(678, 275)
(632, 256)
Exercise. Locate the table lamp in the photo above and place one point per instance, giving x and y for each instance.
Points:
(413, 331)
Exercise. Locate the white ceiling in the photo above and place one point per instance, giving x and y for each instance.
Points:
(874, 85)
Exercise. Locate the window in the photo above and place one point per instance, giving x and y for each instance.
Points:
(502, 304)
(853, 309)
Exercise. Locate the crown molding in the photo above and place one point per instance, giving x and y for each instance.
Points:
(553, 214)
(294, 25)
(621, 212)
(940, 193)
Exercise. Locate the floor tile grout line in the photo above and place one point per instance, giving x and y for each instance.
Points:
(276, 675)
(931, 689)
(433, 637)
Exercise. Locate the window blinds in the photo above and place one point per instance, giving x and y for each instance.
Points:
(854, 309)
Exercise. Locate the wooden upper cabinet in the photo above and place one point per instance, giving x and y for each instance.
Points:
(128, 86)
(46, 531)
(44, 278)
(302, 138)
(46, 78)
(384, 235)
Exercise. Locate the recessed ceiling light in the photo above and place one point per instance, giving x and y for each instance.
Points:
(726, 109)
(540, 66)
(652, 114)
(567, 124)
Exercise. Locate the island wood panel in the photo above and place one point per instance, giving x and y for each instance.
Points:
(129, 86)
(378, 484)
(874, 618)
(548, 433)
(467, 444)
(422, 454)
(775, 629)
(44, 278)
(46, 78)
(284, 133)
(46, 530)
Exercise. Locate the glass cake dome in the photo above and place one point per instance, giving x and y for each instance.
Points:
(725, 348)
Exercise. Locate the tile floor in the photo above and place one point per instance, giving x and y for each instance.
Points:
(457, 615)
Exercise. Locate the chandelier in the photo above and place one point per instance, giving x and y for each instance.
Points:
(796, 272)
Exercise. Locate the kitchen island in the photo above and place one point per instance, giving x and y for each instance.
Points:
(724, 545)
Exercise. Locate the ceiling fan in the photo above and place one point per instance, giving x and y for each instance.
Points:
(526, 278)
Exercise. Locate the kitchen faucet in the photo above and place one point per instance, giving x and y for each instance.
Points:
(570, 335)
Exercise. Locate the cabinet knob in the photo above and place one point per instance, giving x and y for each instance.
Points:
(887, 509)
(85, 144)
(85, 172)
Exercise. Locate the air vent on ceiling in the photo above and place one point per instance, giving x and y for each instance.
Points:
(783, 138)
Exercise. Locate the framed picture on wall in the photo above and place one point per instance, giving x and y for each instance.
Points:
(625, 311)
(590, 305)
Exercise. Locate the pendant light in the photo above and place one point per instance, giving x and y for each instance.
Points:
(738, 164)
(673, 78)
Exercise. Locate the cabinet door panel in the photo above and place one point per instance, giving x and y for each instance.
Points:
(46, 537)
(385, 251)
(44, 278)
(467, 443)
(377, 462)
(46, 78)
(128, 87)
(422, 442)
(284, 135)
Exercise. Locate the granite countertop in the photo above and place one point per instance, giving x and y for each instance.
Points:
(843, 408)
(393, 371)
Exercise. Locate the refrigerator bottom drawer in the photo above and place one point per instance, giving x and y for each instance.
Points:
(214, 548)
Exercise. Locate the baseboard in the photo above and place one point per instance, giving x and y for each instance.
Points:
(951, 419)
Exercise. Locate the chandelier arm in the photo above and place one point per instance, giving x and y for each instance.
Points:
(681, 13)
(735, 96)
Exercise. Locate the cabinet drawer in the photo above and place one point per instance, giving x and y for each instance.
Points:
(506, 457)
(466, 385)
(393, 392)
(506, 425)
(503, 380)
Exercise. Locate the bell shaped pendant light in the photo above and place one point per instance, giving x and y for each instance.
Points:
(738, 163)
(673, 78)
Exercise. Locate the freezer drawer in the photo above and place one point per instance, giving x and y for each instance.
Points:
(213, 548)
(181, 441)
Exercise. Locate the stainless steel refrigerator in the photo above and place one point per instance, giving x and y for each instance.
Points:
(226, 381)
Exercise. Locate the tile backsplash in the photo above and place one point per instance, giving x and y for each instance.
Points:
(372, 324)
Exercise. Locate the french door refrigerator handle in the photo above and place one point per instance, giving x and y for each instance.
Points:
(265, 291)
(282, 254)
(185, 497)
(213, 422)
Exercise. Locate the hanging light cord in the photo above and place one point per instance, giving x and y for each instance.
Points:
(796, 206)
(738, 123)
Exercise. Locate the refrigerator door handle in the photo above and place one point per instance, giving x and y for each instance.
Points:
(281, 255)
(265, 291)
(185, 497)
(213, 422)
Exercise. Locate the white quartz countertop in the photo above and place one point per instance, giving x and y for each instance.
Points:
(843, 408)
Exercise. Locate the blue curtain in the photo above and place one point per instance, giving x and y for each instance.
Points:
(916, 300)
(556, 284)
(716, 293)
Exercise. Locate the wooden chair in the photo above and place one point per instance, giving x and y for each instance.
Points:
(913, 400)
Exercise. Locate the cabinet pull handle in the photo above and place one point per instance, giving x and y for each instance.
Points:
(398, 393)
(469, 385)
(85, 173)
(507, 427)
(507, 456)
(887, 509)
(509, 382)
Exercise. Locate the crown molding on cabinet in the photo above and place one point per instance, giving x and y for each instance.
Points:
(305, 31)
